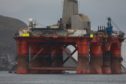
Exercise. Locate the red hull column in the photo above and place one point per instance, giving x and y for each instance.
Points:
(116, 58)
(96, 54)
(107, 58)
(83, 57)
(22, 66)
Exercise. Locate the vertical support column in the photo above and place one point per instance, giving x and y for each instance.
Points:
(107, 63)
(96, 58)
(22, 66)
(83, 57)
(107, 55)
(116, 58)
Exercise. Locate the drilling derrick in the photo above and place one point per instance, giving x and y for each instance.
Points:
(70, 8)
(72, 19)
(46, 50)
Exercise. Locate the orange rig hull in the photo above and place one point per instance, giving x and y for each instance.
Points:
(45, 55)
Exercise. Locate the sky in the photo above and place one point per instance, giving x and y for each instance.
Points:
(47, 12)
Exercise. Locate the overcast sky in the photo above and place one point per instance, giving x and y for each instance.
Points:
(49, 11)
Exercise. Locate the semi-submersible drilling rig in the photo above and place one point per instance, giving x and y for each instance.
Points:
(41, 50)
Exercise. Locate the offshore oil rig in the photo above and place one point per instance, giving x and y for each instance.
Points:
(41, 50)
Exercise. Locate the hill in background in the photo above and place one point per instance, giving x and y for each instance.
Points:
(8, 27)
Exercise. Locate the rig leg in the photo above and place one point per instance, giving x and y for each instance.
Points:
(83, 57)
(107, 62)
(22, 66)
(96, 61)
(116, 58)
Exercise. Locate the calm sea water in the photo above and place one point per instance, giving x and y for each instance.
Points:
(6, 78)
